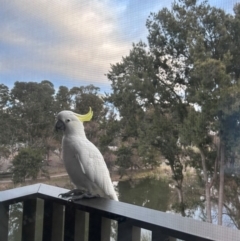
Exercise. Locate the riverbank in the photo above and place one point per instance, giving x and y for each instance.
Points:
(61, 179)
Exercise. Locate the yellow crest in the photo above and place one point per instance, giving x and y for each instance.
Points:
(86, 117)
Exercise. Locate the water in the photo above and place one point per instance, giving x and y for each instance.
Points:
(160, 195)
(147, 192)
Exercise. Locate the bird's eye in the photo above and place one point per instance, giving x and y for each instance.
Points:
(68, 120)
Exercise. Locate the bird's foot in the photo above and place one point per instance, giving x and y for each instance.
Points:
(77, 194)
(74, 192)
(83, 196)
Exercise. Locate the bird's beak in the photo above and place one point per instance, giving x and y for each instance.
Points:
(59, 125)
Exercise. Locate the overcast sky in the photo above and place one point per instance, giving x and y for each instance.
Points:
(72, 42)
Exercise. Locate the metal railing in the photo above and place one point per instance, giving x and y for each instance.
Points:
(37, 213)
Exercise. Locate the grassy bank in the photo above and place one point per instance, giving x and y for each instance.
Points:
(63, 180)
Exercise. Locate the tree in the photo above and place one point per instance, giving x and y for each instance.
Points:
(4, 96)
(156, 110)
(189, 76)
(63, 99)
(201, 37)
(8, 127)
(195, 133)
(33, 109)
(124, 155)
(27, 164)
(85, 97)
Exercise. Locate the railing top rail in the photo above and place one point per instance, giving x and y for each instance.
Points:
(144, 217)
(22, 192)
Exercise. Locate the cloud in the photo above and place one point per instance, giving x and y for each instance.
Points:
(75, 39)
(71, 41)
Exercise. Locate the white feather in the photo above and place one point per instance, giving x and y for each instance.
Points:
(83, 161)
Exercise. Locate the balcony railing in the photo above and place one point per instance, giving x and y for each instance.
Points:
(40, 214)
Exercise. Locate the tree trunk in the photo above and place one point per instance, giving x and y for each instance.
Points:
(178, 186)
(208, 186)
(208, 203)
(221, 184)
(180, 200)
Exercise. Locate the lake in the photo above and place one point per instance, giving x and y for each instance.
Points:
(161, 195)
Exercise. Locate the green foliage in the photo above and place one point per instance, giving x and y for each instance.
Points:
(63, 99)
(8, 129)
(110, 129)
(28, 111)
(27, 164)
(149, 156)
(4, 96)
(85, 97)
(183, 89)
(124, 155)
(4, 152)
(169, 98)
(194, 130)
(204, 39)
(33, 109)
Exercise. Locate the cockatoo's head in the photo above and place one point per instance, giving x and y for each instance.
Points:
(72, 123)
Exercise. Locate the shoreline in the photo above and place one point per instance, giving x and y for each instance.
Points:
(61, 178)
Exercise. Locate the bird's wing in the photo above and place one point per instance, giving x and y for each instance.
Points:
(94, 167)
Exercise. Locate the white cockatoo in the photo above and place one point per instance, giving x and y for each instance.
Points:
(83, 161)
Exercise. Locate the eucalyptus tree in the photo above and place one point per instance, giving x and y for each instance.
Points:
(63, 99)
(8, 124)
(85, 97)
(204, 38)
(33, 109)
(4, 96)
(150, 110)
(6, 129)
(188, 79)
(27, 164)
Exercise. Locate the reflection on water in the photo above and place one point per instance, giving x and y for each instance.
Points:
(15, 222)
(158, 194)
(147, 192)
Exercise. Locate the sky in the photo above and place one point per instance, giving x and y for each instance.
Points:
(72, 42)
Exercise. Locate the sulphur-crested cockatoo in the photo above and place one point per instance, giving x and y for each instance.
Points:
(83, 161)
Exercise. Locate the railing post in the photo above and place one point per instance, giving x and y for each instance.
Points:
(4, 214)
(69, 224)
(47, 220)
(126, 231)
(95, 222)
(29, 219)
(157, 235)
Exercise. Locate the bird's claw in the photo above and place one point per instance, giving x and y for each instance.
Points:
(83, 196)
(77, 194)
(71, 193)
